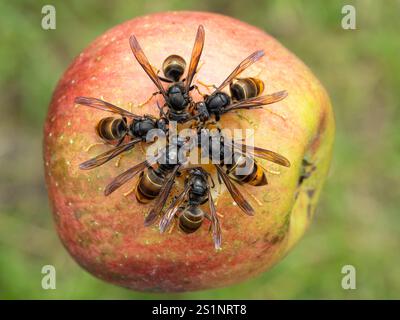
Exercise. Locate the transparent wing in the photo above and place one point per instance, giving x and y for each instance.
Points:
(104, 106)
(196, 53)
(144, 62)
(241, 67)
(235, 193)
(216, 227)
(256, 102)
(173, 209)
(261, 153)
(108, 155)
(161, 198)
(127, 175)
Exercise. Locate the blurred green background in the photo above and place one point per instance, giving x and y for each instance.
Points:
(358, 219)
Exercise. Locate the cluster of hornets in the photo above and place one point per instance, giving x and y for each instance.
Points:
(156, 178)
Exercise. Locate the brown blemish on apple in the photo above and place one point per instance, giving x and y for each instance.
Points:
(322, 125)
(309, 210)
(306, 170)
(310, 193)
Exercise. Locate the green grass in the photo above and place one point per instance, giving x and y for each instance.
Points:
(358, 219)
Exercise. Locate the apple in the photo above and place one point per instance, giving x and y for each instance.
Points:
(106, 235)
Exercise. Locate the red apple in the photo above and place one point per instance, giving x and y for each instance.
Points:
(106, 235)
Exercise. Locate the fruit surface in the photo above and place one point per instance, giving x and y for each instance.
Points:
(106, 236)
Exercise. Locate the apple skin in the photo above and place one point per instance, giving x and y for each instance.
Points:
(106, 235)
